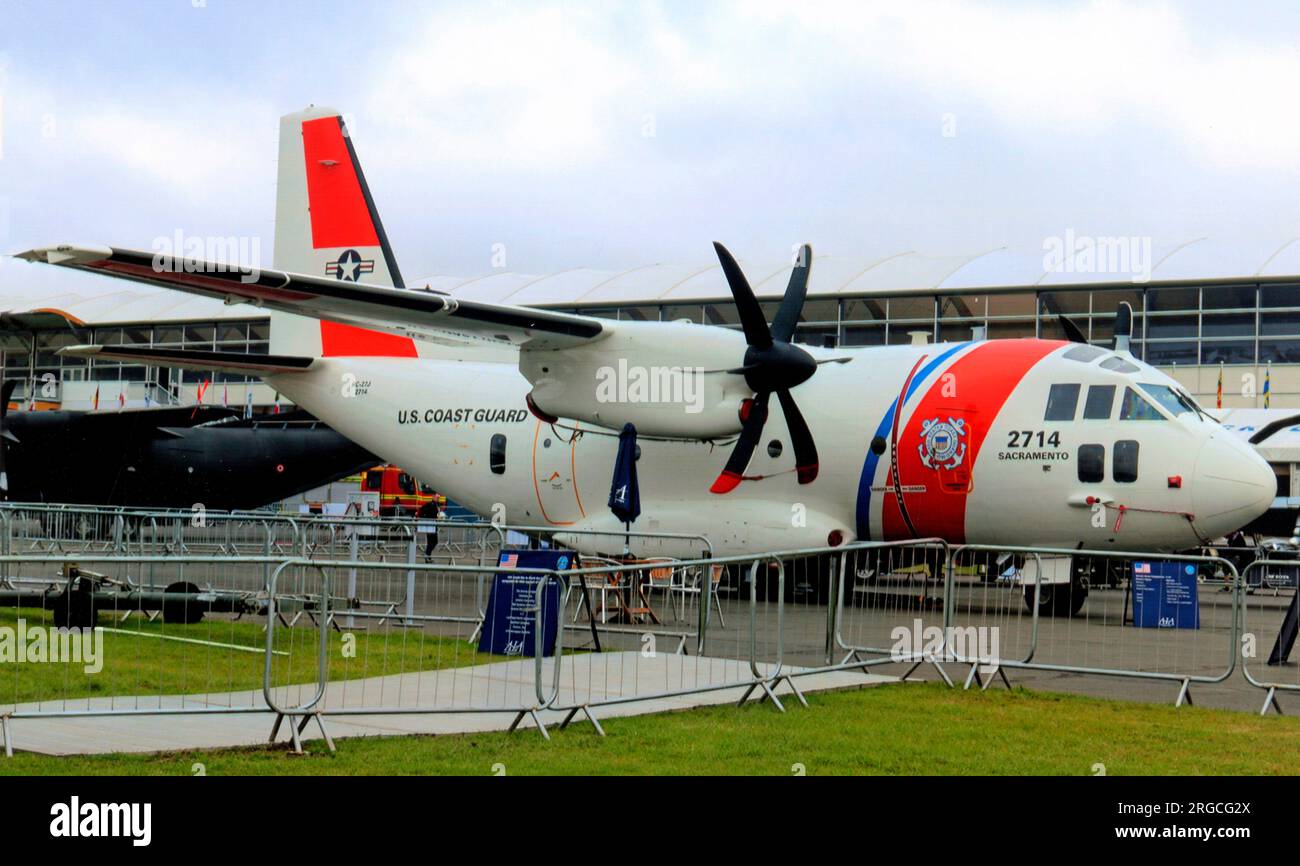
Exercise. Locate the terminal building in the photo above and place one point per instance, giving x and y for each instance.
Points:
(1201, 309)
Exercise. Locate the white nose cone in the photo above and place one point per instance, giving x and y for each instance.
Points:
(1233, 485)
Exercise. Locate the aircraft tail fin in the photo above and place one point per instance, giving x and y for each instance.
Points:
(327, 225)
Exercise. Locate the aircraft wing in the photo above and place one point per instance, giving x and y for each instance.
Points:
(411, 313)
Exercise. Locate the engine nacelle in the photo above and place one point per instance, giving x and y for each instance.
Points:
(652, 374)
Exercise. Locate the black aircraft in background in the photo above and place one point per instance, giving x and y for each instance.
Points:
(168, 457)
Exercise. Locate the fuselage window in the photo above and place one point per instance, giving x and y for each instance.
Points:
(1062, 400)
(1092, 463)
(1135, 408)
(1100, 399)
(1118, 364)
(1085, 353)
(1126, 461)
(497, 454)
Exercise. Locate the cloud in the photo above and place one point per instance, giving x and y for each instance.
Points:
(1084, 70)
(616, 133)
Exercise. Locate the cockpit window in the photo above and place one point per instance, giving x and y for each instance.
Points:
(1119, 365)
(1084, 354)
(1175, 401)
(1062, 400)
(1135, 408)
(1100, 399)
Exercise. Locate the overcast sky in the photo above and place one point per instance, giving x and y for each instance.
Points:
(611, 135)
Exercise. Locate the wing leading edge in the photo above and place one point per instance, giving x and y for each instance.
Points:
(412, 313)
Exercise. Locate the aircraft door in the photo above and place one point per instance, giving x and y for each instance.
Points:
(553, 475)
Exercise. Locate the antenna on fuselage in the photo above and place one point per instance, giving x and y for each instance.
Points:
(1123, 327)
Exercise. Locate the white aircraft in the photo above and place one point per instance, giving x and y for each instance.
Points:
(514, 411)
(1275, 435)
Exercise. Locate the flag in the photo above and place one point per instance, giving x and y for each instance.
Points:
(121, 399)
(248, 403)
(95, 404)
(148, 400)
(275, 410)
(225, 395)
(198, 397)
(1218, 400)
(1268, 373)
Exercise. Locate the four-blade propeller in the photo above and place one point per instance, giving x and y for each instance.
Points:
(772, 364)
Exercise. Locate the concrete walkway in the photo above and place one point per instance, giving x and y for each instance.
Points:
(584, 678)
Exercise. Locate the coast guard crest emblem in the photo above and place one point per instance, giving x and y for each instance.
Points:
(942, 443)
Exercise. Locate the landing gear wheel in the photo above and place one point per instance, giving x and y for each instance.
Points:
(1059, 599)
(181, 610)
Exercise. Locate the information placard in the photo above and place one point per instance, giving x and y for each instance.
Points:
(510, 624)
(1164, 595)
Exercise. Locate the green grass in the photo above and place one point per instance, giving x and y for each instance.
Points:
(143, 664)
(896, 729)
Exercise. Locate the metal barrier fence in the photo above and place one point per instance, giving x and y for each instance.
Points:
(1081, 625)
(190, 635)
(759, 622)
(1269, 611)
(43, 528)
(95, 617)
(313, 638)
(424, 659)
(890, 602)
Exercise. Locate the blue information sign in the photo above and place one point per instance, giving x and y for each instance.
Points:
(1164, 595)
(510, 624)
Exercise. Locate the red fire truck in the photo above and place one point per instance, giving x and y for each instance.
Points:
(400, 495)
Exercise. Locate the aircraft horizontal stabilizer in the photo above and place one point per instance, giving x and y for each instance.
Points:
(194, 359)
(411, 313)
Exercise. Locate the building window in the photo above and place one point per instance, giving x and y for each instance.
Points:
(1279, 351)
(1160, 354)
(1092, 463)
(1126, 461)
(497, 454)
(1062, 400)
(1228, 352)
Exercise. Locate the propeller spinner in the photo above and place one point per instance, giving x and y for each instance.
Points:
(772, 364)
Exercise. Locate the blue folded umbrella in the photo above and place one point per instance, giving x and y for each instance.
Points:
(624, 492)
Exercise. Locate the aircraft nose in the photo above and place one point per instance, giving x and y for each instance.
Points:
(1234, 485)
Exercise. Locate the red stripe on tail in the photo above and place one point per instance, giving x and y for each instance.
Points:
(339, 216)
